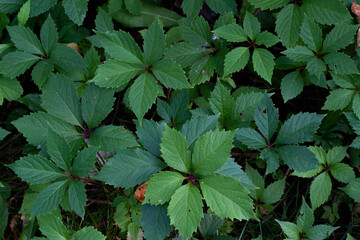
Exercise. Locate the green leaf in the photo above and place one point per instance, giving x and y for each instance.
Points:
(186, 210)
(202, 70)
(59, 98)
(49, 198)
(339, 37)
(321, 231)
(311, 34)
(155, 221)
(103, 22)
(320, 154)
(121, 45)
(52, 227)
(222, 6)
(88, 233)
(288, 24)
(76, 10)
(143, 94)
(10, 89)
(96, 104)
(185, 53)
(335, 155)
(150, 134)
(211, 151)
(326, 11)
(298, 158)
(251, 26)
(273, 192)
(342, 172)
(340, 63)
(272, 158)
(3, 134)
(129, 167)
(59, 150)
(299, 54)
(112, 138)
(162, 186)
(133, 6)
(299, 128)
(25, 39)
(3, 211)
(352, 189)
(170, 74)
(39, 6)
(154, 43)
(354, 122)
(210, 224)
(35, 169)
(338, 99)
(291, 85)
(84, 161)
(246, 104)
(232, 33)
(257, 180)
(236, 60)
(42, 71)
(291, 230)
(305, 220)
(10, 6)
(269, 4)
(225, 19)
(196, 31)
(77, 197)
(320, 190)
(221, 102)
(267, 39)
(174, 150)
(66, 58)
(264, 63)
(16, 63)
(251, 138)
(227, 197)
(48, 35)
(191, 7)
(24, 13)
(115, 73)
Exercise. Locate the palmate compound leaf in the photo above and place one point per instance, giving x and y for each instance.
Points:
(211, 151)
(162, 186)
(129, 167)
(227, 197)
(35, 169)
(186, 209)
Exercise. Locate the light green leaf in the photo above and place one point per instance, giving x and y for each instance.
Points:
(59, 150)
(162, 186)
(48, 35)
(143, 94)
(340, 63)
(66, 58)
(322, 231)
(96, 104)
(273, 192)
(267, 39)
(338, 99)
(211, 151)
(335, 155)
(88, 233)
(10, 89)
(129, 167)
(170, 74)
(291, 230)
(264, 63)
(121, 45)
(35, 169)
(222, 6)
(291, 85)
(298, 158)
(77, 197)
(236, 60)
(339, 37)
(49, 198)
(352, 189)
(84, 161)
(154, 43)
(320, 190)
(52, 227)
(251, 138)
(232, 33)
(25, 39)
(191, 7)
(24, 13)
(342, 172)
(103, 22)
(305, 220)
(227, 197)
(299, 54)
(174, 150)
(185, 210)
(269, 4)
(320, 154)
(40, 6)
(61, 100)
(42, 71)
(299, 128)
(311, 34)
(326, 11)
(112, 138)
(288, 24)
(76, 10)
(196, 30)
(16, 63)
(251, 26)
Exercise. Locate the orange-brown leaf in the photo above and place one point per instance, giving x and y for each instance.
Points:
(140, 192)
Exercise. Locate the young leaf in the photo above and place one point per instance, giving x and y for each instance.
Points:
(174, 150)
(88, 233)
(191, 7)
(35, 169)
(25, 40)
(76, 10)
(288, 24)
(16, 63)
(155, 221)
(211, 151)
(112, 138)
(311, 34)
(335, 155)
(342, 172)
(154, 43)
(320, 190)
(232, 33)
(236, 60)
(48, 35)
(59, 150)
(291, 85)
(185, 210)
(24, 13)
(170, 74)
(251, 138)
(129, 167)
(49, 198)
(264, 63)
(298, 158)
(84, 161)
(52, 226)
(226, 197)
(77, 197)
(222, 6)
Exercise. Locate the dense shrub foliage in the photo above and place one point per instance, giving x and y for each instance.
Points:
(215, 119)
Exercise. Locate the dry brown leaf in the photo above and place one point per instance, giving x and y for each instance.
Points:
(75, 47)
(140, 192)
